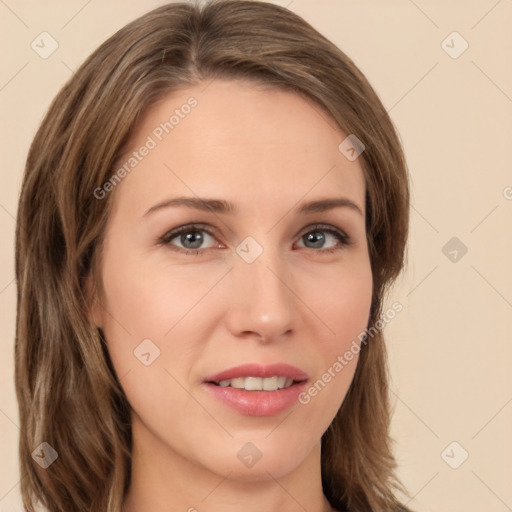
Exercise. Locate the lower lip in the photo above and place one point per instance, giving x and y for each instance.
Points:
(258, 403)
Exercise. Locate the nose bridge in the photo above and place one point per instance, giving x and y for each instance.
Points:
(262, 301)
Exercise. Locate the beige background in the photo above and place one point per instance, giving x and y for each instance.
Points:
(450, 347)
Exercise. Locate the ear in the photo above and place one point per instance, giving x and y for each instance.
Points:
(94, 309)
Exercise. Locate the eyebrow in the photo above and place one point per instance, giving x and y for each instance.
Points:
(225, 207)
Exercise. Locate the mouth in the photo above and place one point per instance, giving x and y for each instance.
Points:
(258, 390)
(257, 383)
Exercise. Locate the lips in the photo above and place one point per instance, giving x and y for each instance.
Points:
(257, 401)
(259, 370)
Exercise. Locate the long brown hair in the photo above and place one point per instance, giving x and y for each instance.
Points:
(69, 395)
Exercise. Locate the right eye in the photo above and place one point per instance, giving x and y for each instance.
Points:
(191, 236)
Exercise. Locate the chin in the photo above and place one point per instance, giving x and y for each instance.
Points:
(256, 460)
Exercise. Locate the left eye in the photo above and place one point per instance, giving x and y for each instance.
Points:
(192, 238)
(318, 236)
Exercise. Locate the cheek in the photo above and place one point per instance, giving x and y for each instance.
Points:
(343, 306)
(146, 310)
(343, 302)
(149, 299)
(149, 310)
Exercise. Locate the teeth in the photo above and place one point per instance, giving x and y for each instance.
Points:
(257, 383)
(269, 384)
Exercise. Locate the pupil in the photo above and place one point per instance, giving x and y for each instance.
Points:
(315, 238)
(192, 237)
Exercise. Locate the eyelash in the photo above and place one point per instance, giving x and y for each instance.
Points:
(344, 239)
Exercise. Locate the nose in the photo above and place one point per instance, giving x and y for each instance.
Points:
(262, 303)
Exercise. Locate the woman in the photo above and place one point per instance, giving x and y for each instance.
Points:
(211, 213)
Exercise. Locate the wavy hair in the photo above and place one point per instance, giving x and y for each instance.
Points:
(68, 393)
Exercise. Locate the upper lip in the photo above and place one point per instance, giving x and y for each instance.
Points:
(259, 370)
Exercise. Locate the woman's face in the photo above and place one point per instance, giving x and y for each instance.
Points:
(273, 281)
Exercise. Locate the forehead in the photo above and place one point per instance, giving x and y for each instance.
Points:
(239, 142)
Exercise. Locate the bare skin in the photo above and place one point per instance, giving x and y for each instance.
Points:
(267, 152)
